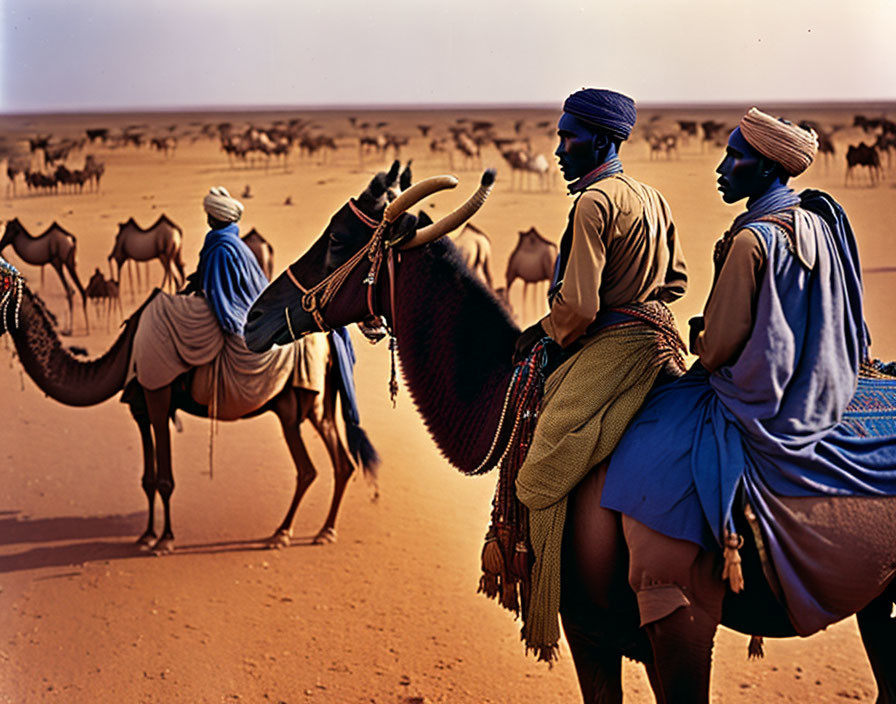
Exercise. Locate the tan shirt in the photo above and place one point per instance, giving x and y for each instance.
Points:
(731, 306)
(625, 249)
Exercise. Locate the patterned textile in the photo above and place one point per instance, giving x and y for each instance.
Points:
(11, 283)
(872, 411)
(579, 428)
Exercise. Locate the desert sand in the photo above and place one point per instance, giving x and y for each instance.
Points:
(389, 613)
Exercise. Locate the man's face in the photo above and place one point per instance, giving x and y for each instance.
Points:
(741, 171)
(576, 150)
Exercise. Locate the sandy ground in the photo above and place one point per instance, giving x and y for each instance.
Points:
(390, 612)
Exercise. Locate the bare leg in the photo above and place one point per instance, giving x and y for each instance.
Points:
(680, 602)
(158, 404)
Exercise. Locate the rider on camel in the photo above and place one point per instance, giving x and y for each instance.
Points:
(758, 419)
(610, 334)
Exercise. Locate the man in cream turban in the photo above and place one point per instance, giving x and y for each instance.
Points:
(756, 421)
(229, 274)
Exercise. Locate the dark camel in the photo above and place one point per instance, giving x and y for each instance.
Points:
(162, 240)
(56, 247)
(75, 383)
(532, 260)
(438, 312)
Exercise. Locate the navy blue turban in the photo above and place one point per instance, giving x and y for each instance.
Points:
(610, 111)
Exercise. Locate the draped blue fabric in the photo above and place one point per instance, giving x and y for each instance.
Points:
(230, 276)
(771, 421)
(344, 354)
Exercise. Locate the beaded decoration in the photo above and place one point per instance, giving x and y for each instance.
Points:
(11, 287)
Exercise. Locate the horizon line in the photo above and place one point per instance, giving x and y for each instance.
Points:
(371, 107)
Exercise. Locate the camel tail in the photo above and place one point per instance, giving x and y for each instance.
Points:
(363, 450)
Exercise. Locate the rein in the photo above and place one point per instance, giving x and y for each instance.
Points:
(315, 299)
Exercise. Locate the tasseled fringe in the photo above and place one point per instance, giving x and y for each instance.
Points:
(545, 653)
(732, 570)
(503, 579)
(755, 649)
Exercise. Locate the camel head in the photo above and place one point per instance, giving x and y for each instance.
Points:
(13, 227)
(338, 280)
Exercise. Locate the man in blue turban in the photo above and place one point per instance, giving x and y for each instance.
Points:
(609, 333)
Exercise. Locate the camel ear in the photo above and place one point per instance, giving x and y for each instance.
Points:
(392, 176)
(404, 182)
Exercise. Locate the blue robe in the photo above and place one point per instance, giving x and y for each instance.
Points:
(772, 421)
(230, 276)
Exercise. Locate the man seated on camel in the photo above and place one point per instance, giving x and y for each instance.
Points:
(754, 427)
(203, 334)
(609, 330)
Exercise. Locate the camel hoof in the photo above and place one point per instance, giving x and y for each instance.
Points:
(327, 536)
(145, 541)
(280, 539)
(165, 546)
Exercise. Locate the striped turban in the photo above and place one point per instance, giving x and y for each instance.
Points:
(221, 206)
(610, 111)
(790, 145)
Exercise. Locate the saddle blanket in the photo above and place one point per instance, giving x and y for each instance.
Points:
(179, 333)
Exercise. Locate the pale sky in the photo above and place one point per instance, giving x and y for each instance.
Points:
(77, 55)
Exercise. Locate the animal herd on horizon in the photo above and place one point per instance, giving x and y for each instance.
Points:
(869, 142)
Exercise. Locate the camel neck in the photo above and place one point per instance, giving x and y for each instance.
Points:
(55, 371)
(455, 343)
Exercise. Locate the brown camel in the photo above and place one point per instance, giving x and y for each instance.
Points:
(532, 260)
(56, 247)
(75, 383)
(162, 241)
(437, 312)
(104, 291)
(262, 250)
(475, 249)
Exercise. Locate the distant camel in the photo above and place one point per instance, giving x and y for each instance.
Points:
(15, 165)
(863, 155)
(101, 291)
(475, 249)
(532, 260)
(262, 250)
(56, 247)
(161, 241)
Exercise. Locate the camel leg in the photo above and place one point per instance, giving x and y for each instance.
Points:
(73, 274)
(166, 270)
(149, 476)
(680, 603)
(343, 466)
(158, 404)
(598, 609)
(878, 630)
(291, 409)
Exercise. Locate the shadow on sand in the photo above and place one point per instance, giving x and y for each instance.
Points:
(83, 541)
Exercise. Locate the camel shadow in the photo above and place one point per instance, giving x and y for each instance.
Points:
(97, 539)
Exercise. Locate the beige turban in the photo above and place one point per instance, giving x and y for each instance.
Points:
(790, 145)
(221, 206)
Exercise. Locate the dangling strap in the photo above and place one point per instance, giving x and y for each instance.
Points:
(732, 570)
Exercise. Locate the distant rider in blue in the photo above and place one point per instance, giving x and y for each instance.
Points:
(762, 415)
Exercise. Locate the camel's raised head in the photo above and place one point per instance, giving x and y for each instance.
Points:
(340, 279)
(11, 288)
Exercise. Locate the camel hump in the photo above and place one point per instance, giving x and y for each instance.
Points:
(165, 220)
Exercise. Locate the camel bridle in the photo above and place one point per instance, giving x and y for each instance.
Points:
(316, 298)
(11, 286)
